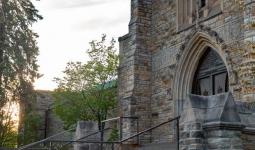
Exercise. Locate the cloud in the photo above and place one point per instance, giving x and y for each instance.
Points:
(67, 28)
(97, 23)
(69, 4)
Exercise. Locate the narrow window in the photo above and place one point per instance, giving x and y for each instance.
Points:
(186, 10)
(202, 3)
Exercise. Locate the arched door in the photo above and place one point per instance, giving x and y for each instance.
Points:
(211, 76)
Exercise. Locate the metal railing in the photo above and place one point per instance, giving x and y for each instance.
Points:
(120, 120)
(112, 144)
(102, 142)
(80, 139)
(47, 140)
(155, 127)
(122, 141)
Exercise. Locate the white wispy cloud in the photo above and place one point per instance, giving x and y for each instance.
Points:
(67, 28)
(69, 4)
(98, 23)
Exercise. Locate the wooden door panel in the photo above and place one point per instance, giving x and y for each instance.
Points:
(206, 86)
(219, 83)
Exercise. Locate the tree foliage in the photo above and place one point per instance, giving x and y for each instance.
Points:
(18, 51)
(8, 134)
(88, 90)
(31, 127)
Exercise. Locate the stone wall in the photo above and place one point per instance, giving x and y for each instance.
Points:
(248, 141)
(153, 76)
(135, 68)
(50, 124)
(223, 139)
(205, 123)
(85, 128)
(163, 61)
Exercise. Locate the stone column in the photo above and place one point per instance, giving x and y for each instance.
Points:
(192, 136)
(135, 68)
(211, 122)
(192, 119)
(223, 136)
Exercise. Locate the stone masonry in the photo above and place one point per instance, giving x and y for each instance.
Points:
(158, 61)
(83, 129)
(50, 124)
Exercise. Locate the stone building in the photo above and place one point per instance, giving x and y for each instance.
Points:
(39, 121)
(192, 58)
(42, 127)
(50, 124)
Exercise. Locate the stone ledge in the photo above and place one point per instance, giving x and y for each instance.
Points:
(223, 125)
(250, 131)
(124, 37)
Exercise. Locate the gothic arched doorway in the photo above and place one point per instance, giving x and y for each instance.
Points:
(211, 76)
(192, 56)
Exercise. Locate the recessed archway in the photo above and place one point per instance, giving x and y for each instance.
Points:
(188, 64)
(211, 75)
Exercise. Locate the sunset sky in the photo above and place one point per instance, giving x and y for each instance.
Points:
(67, 28)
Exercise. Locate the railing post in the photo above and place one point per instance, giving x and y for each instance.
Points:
(101, 136)
(112, 146)
(121, 130)
(178, 133)
(51, 146)
(137, 131)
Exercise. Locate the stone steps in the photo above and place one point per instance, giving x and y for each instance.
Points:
(158, 146)
(154, 146)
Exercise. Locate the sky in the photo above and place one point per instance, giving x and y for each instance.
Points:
(67, 28)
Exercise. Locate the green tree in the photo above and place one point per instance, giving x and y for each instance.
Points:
(32, 126)
(88, 91)
(18, 53)
(8, 134)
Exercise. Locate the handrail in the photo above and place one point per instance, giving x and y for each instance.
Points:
(91, 142)
(121, 118)
(154, 127)
(93, 134)
(78, 140)
(44, 140)
(130, 117)
(112, 119)
(105, 142)
(38, 148)
(117, 118)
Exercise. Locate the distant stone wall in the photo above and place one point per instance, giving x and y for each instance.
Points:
(50, 124)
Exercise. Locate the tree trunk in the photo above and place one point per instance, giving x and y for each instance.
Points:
(2, 39)
(2, 101)
(101, 127)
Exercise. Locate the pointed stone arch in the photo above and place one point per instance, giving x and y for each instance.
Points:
(187, 61)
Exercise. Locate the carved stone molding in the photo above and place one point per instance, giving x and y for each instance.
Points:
(188, 58)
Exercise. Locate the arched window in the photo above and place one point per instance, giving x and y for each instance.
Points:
(211, 76)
